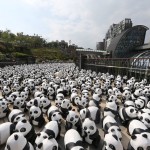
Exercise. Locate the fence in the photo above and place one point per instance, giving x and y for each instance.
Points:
(138, 67)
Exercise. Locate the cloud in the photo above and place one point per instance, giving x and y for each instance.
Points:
(84, 22)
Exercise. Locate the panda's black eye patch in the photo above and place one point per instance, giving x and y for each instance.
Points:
(140, 148)
(30, 112)
(23, 130)
(17, 118)
(76, 116)
(44, 137)
(18, 102)
(111, 146)
(44, 101)
(54, 148)
(119, 129)
(35, 112)
(91, 127)
(112, 130)
(85, 128)
(132, 110)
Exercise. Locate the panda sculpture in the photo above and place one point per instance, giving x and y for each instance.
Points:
(139, 142)
(91, 112)
(73, 142)
(16, 115)
(6, 129)
(136, 127)
(52, 129)
(128, 113)
(73, 121)
(54, 114)
(96, 98)
(51, 93)
(140, 102)
(65, 107)
(112, 142)
(45, 104)
(4, 109)
(128, 103)
(34, 102)
(90, 132)
(110, 125)
(27, 130)
(36, 116)
(111, 109)
(18, 142)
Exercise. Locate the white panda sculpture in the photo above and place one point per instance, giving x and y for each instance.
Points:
(27, 130)
(110, 125)
(73, 142)
(45, 104)
(112, 142)
(18, 142)
(73, 121)
(34, 102)
(54, 114)
(52, 129)
(136, 127)
(16, 115)
(90, 132)
(140, 102)
(6, 129)
(128, 113)
(4, 109)
(36, 116)
(91, 112)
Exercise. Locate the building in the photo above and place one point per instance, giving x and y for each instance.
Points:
(122, 39)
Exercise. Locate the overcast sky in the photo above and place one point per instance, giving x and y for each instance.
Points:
(84, 22)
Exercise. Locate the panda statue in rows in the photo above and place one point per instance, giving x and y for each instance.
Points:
(90, 132)
(73, 142)
(4, 109)
(18, 142)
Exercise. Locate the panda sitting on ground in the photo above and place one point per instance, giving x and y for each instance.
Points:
(6, 129)
(90, 132)
(4, 109)
(36, 116)
(73, 142)
(18, 142)
(73, 121)
(27, 130)
(91, 112)
(128, 113)
(140, 102)
(111, 126)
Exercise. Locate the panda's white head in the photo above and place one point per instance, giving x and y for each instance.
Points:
(112, 98)
(96, 97)
(56, 117)
(3, 104)
(128, 103)
(44, 101)
(65, 103)
(138, 92)
(146, 92)
(34, 102)
(110, 92)
(145, 118)
(19, 101)
(140, 103)
(39, 140)
(84, 101)
(16, 141)
(115, 130)
(126, 94)
(23, 126)
(112, 142)
(24, 95)
(34, 112)
(140, 141)
(51, 91)
(89, 126)
(131, 111)
(72, 117)
(50, 144)
(77, 100)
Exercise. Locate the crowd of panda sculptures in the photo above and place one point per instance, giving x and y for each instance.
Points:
(45, 96)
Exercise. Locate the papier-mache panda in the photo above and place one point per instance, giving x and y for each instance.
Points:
(90, 132)
(36, 116)
(141, 102)
(4, 109)
(136, 127)
(91, 112)
(54, 114)
(18, 142)
(16, 115)
(73, 142)
(111, 126)
(73, 121)
(128, 113)
(65, 107)
(52, 129)
(45, 104)
(112, 142)
(27, 130)
(6, 129)
(34, 102)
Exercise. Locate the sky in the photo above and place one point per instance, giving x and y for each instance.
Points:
(84, 22)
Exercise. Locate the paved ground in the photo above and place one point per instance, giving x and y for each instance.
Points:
(125, 136)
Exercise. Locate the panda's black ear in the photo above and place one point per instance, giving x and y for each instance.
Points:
(84, 111)
(16, 137)
(144, 135)
(133, 137)
(24, 120)
(54, 115)
(73, 109)
(50, 137)
(115, 137)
